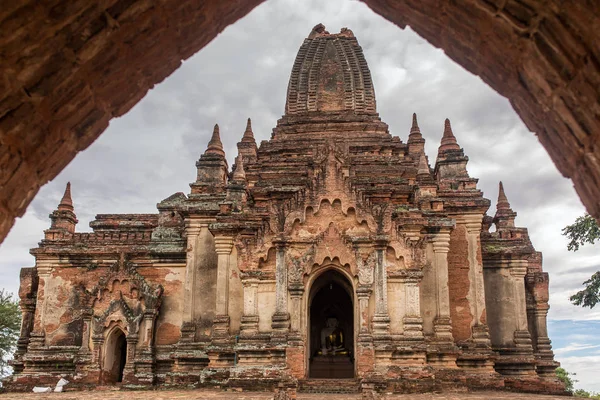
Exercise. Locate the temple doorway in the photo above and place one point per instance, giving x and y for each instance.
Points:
(331, 327)
(115, 356)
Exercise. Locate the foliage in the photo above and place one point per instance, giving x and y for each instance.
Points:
(584, 230)
(10, 323)
(565, 377)
(590, 296)
(586, 395)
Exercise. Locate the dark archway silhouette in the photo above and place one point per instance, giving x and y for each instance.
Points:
(115, 357)
(69, 68)
(331, 327)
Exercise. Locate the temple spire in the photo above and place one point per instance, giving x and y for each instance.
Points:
(505, 216)
(423, 168)
(448, 139)
(63, 218)
(503, 203)
(416, 143)
(215, 146)
(66, 203)
(239, 175)
(248, 134)
(415, 126)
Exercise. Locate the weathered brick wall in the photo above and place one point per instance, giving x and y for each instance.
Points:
(69, 67)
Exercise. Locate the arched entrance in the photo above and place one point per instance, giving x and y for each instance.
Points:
(115, 356)
(331, 327)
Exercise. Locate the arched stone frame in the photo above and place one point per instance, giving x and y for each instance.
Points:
(309, 293)
(61, 97)
(108, 351)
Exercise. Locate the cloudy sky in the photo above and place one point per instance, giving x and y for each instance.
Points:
(149, 153)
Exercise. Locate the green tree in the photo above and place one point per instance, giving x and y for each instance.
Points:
(584, 230)
(10, 323)
(565, 377)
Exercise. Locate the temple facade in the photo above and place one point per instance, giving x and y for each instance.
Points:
(333, 250)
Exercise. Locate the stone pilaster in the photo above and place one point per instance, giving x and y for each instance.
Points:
(522, 337)
(442, 324)
(129, 370)
(480, 329)
(27, 314)
(296, 292)
(44, 270)
(381, 319)
(223, 247)
(193, 228)
(249, 326)
(281, 317)
(412, 320)
(363, 294)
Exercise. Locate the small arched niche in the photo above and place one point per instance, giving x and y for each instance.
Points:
(115, 356)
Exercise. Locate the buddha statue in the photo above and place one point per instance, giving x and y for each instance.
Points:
(332, 338)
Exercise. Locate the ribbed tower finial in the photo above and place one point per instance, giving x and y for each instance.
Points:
(248, 134)
(415, 126)
(66, 203)
(239, 174)
(448, 139)
(503, 203)
(505, 216)
(423, 168)
(215, 146)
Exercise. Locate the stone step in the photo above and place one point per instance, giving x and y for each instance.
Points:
(328, 386)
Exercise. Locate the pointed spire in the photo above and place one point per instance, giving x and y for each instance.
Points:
(503, 203)
(248, 134)
(423, 166)
(66, 203)
(448, 139)
(215, 146)
(239, 175)
(415, 126)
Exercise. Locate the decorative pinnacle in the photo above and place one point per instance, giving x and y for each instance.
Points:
(415, 126)
(503, 203)
(215, 146)
(448, 139)
(248, 134)
(66, 202)
(239, 174)
(423, 166)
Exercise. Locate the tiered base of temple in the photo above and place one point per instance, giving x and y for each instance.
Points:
(199, 365)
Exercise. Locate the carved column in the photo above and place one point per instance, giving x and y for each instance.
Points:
(296, 293)
(480, 330)
(129, 369)
(249, 326)
(223, 246)
(518, 270)
(442, 325)
(363, 293)
(97, 343)
(44, 270)
(193, 229)
(27, 314)
(87, 331)
(412, 321)
(149, 320)
(381, 319)
(281, 317)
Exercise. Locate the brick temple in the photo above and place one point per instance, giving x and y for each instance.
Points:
(333, 251)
